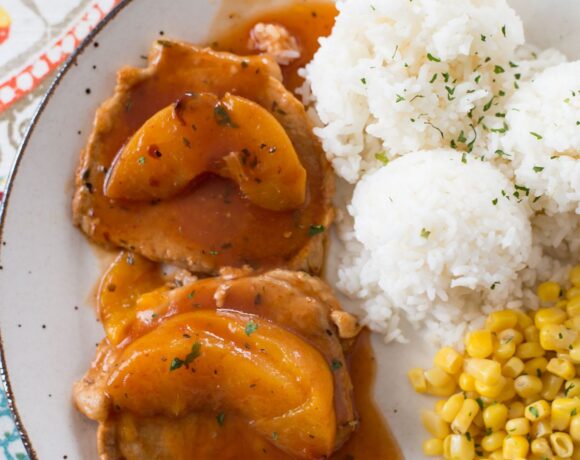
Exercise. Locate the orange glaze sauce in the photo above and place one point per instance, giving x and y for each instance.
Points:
(306, 22)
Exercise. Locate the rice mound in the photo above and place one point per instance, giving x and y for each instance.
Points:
(438, 251)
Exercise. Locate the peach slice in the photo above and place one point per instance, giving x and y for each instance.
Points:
(233, 363)
(232, 137)
(128, 278)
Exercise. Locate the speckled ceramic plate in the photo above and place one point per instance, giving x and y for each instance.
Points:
(48, 328)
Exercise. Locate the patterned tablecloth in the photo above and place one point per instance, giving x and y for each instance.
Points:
(36, 37)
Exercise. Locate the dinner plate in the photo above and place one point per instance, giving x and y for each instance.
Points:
(49, 270)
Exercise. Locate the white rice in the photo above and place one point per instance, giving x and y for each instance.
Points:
(436, 239)
(399, 80)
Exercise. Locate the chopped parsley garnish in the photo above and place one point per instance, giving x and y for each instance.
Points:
(382, 157)
(539, 372)
(450, 92)
(464, 158)
(501, 130)
(195, 352)
(363, 81)
(186, 142)
(574, 412)
(479, 401)
(503, 31)
(425, 233)
(493, 286)
(190, 295)
(445, 77)
(433, 78)
(251, 327)
(487, 106)
(536, 135)
(213, 252)
(468, 436)
(477, 79)
(220, 418)
(223, 117)
(500, 153)
(433, 58)
(399, 98)
(483, 37)
(315, 230)
(141, 160)
(494, 201)
(521, 188)
(538, 169)
(513, 65)
(336, 364)
(534, 411)
(568, 388)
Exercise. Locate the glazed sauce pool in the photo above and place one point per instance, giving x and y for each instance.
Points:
(306, 22)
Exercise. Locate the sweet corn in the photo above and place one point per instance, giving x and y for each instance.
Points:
(549, 291)
(563, 409)
(513, 368)
(573, 323)
(479, 344)
(523, 320)
(575, 276)
(449, 360)
(575, 428)
(536, 366)
(527, 385)
(573, 292)
(465, 416)
(572, 388)
(508, 391)
(532, 334)
(516, 409)
(484, 370)
(562, 444)
(541, 448)
(452, 407)
(515, 447)
(490, 391)
(551, 385)
(434, 424)
(437, 377)
(518, 426)
(458, 447)
(417, 379)
(573, 306)
(500, 320)
(444, 391)
(504, 351)
(466, 382)
(562, 368)
(439, 405)
(557, 337)
(574, 352)
(433, 447)
(495, 416)
(530, 350)
(542, 429)
(497, 455)
(545, 316)
(493, 441)
(538, 410)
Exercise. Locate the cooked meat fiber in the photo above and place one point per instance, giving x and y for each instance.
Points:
(145, 411)
(210, 224)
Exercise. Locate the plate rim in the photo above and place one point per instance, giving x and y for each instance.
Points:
(4, 203)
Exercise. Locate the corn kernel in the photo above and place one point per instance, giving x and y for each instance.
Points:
(527, 385)
(465, 416)
(538, 410)
(495, 416)
(513, 368)
(562, 444)
(575, 276)
(500, 320)
(573, 323)
(466, 382)
(508, 391)
(516, 409)
(434, 424)
(490, 391)
(504, 351)
(562, 368)
(417, 379)
(523, 320)
(549, 291)
(542, 428)
(573, 292)
(439, 405)
(551, 385)
(458, 447)
(443, 391)
(479, 344)
(530, 350)
(573, 307)
(541, 448)
(449, 360)
(536, 366)
(563, 409)
(493, 441)
(484, 370)
(574, 352)
(497, 455)
(433, 447)
(451, 407)
(515, 447)
(532, 334)
(572, 388)
(557, 337)
(575, 428)
(518, 426)
(545, 316)
(437, 377)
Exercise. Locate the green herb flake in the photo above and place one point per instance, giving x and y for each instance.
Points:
(536, 135)
(487, 106)
(463, 158)
(477, 79)
(213, 252)
(573, 412)
(186, 142)
(493, 286)
(494, 201)
(251, 327)
(315, 230)
(479, 402)
(433, 78)
(141, 160)
(568, 388)
(468, 436)
(539, 372)
(220, 418)
(483, 37)
(513, 65)
(399, 98)
(534, 411)
(498, 69)
(363, 81)
(538, 169)
(382, 157)
(222, 116)
(433, 58)
(503, 31)
(176, 363)
(425, 233)
(501, 130)
(193, 354)
(445, 77)
(190, 295)
(336, 364)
